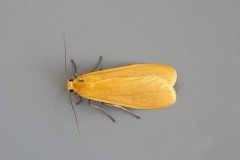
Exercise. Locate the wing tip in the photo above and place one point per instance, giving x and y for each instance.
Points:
(174, 76)
(172, 98)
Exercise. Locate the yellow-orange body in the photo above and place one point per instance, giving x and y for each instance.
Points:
(139, 86)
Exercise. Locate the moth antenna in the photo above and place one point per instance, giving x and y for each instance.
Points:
(74, 112)
(66, 75)
(65, 56)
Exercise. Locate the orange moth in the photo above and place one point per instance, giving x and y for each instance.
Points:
(138, 86)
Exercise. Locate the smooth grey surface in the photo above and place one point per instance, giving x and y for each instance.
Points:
(199, 38)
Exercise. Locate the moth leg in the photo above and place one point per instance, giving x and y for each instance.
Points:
(95, 68)
(101, 109)
(74, 68)
(97, 65)
(80, 100)
(124, 109)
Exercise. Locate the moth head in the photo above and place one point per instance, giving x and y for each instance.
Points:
(70, 85)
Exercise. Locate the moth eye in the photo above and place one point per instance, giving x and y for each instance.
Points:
(81, 80)
(70, 90)
(70, 80)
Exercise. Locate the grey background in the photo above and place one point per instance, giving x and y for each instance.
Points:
(199, 38)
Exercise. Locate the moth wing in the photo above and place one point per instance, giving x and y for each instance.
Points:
(168, 73)
(143, 92)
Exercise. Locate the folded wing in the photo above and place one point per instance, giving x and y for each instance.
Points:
(141, 92)
(165, 72)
